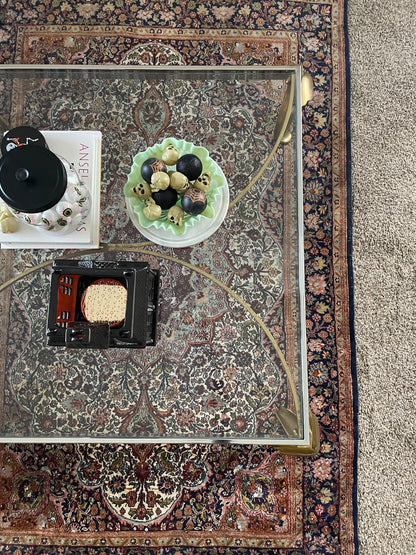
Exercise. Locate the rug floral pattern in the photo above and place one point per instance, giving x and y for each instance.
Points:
(227, 498)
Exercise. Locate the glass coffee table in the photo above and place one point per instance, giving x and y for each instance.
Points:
(229, 364)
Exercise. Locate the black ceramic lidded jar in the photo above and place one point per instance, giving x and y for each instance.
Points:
(39, 187)
(32, 179)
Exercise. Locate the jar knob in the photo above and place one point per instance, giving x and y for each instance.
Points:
(22, 175)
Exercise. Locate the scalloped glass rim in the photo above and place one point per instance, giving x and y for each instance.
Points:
(184, 147)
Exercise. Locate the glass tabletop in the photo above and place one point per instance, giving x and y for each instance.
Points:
(229, 360)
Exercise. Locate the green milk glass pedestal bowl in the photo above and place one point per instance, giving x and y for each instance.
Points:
(195, 228)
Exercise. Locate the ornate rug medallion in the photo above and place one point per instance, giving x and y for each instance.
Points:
(136, 495)
(153, 54)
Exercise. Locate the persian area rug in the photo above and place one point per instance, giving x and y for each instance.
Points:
(209, 499)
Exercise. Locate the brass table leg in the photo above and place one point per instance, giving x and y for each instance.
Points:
(289, 422)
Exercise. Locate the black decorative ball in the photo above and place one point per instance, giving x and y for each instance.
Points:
(165, 199)
(194, 201)
(190, 165)
(151, 166)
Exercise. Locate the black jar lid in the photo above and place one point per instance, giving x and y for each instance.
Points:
(22, 136)
(32, 179)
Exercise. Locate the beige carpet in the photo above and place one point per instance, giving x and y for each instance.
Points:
(382, 43)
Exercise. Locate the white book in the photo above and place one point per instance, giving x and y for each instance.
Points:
(82, 149)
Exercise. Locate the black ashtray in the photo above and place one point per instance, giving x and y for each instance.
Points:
(134, 286)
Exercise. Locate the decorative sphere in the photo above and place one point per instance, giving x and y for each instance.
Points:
(165, 199)
(194, 201)
(151, 166)
(190, 165)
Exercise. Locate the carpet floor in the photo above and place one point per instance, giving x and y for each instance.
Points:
(383, 110)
